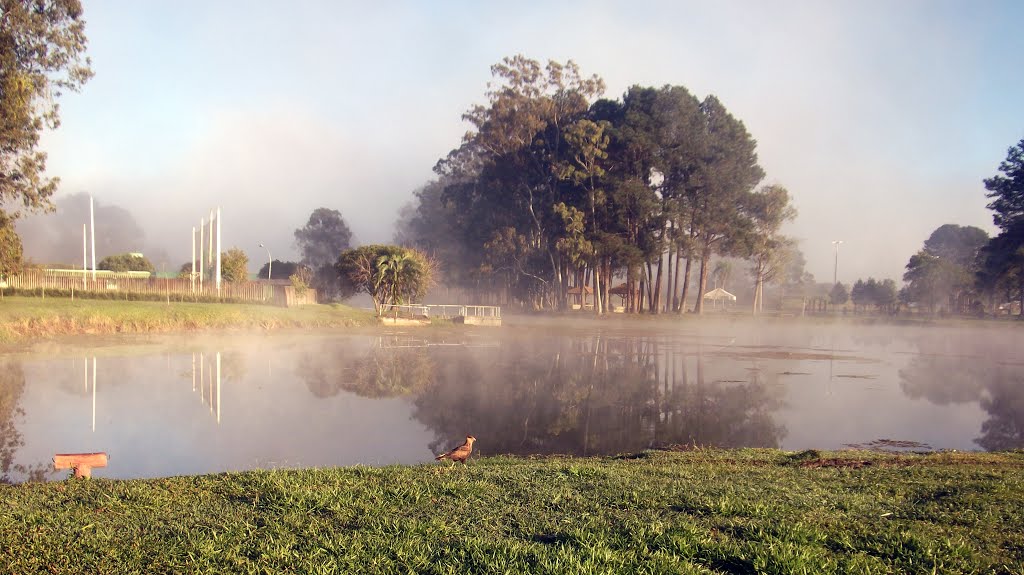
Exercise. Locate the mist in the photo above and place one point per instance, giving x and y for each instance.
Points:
(880, 119)
(56, 237)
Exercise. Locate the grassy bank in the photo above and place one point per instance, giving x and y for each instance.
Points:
(694, 512)
(25, 318)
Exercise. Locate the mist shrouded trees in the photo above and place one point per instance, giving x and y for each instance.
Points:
(41, 54)
(839, 295)
(281, 269)
(323, 238)
(56, 238)
(553, 189)
(388, 274)
(769, 250)
(943, 272)
(880, 293)
(126, 263)
(1002, 259)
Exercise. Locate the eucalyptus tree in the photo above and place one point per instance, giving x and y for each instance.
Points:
(323, 238)
(517, 142)
(719, 186)
(769, 251)
(432, 225)
(587, 144)
(634, 236)
(42, 46)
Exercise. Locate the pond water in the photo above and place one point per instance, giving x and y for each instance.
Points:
(173, 405)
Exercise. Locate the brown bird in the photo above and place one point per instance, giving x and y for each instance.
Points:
(460, 453)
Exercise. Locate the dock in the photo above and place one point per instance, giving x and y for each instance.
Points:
(483, 315)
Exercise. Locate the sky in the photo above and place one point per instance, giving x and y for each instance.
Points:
(881, 118)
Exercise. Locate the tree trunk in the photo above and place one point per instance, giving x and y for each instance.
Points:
(670, 288)
(703, 282)
(686, 285)
(676, 302)
(1020, 296)
(596, 280)
(757, 291)
(656, 300)
(650, 285)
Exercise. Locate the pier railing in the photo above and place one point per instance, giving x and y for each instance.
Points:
(443, 311)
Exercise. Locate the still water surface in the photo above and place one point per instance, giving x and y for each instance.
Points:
(173, 405)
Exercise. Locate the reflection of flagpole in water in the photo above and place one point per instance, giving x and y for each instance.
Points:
(218, 387)
(202, 382)
(94, 393)
(193, 367)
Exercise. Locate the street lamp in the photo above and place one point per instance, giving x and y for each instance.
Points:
(835, 270)
(270, 261)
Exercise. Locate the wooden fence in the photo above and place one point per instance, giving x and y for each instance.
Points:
(177, 289)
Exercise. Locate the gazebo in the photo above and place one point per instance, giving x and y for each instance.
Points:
(718, 294)
(579, 297)
(621, 290)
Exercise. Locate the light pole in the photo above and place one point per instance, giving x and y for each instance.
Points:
(835, 269)
(270, 262)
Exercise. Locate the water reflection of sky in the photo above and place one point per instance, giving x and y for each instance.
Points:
(343, 399)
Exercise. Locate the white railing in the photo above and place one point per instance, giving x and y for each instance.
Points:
(446, 311)
(397, 309)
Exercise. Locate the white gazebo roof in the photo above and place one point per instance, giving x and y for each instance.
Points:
(718, 294)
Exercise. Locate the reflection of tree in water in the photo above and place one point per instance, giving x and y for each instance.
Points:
(593, 396)
(378, 373)
(964, 367)
(12, 385)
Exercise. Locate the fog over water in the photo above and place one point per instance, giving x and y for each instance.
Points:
(160, 406)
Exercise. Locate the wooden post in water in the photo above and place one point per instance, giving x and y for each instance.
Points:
(82, 463)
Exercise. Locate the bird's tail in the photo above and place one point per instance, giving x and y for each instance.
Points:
(440, 457)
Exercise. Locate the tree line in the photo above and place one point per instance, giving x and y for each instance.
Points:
(960, 269)
(555, 188)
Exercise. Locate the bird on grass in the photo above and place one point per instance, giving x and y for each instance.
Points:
(460, 453)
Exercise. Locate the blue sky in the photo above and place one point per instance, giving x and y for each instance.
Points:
(880, 117)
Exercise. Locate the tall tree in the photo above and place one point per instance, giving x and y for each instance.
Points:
(1003, 258)
(511, 157)
(720, 186)
(944, 270)
(957, 244)
(323, 238)
(587, 144)
(769, 250)
(42, 45)
(1007, 189)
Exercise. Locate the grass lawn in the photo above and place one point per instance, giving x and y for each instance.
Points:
(702, 511)
(24, 318)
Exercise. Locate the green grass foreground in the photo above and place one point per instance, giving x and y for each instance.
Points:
(702, 511)
(26, 318)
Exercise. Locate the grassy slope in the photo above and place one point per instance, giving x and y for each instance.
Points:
(24, 318)
(697, 512)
